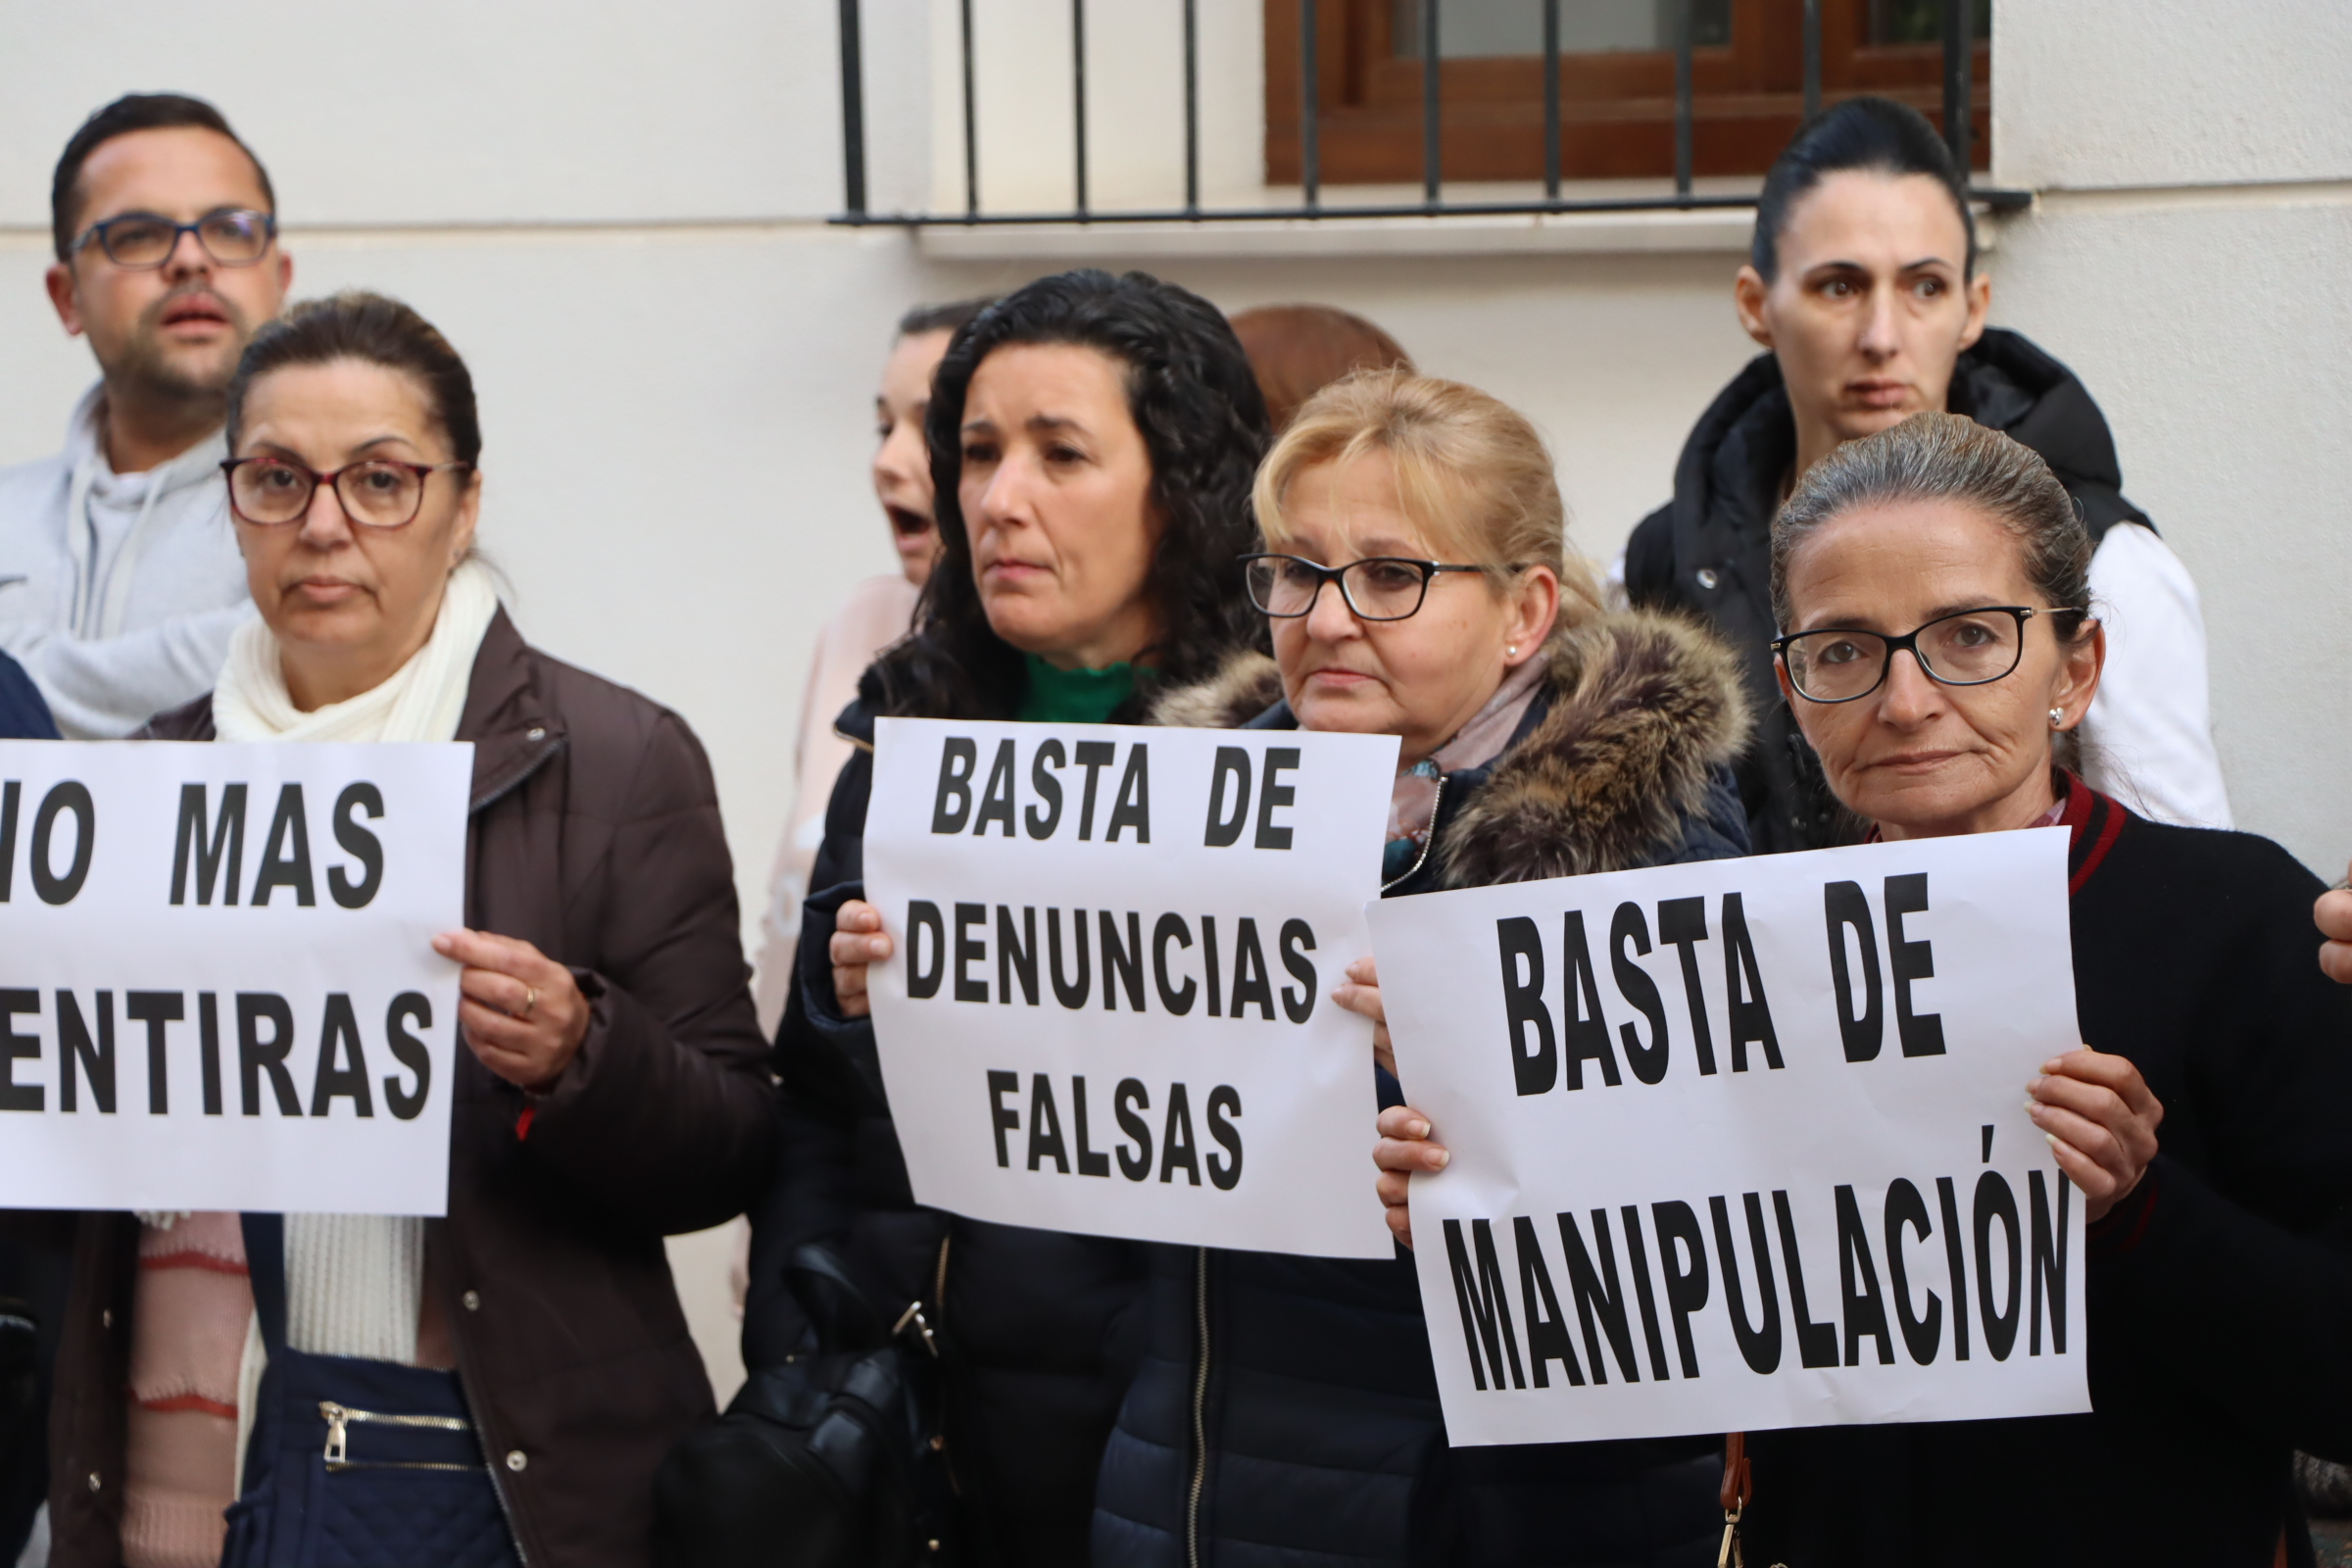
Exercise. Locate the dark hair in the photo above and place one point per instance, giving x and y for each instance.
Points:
(137, 111)
(1873, 135)
(953, 317)
(1299, 350)
(374, 330)
(1947, 457)
(1204, 424)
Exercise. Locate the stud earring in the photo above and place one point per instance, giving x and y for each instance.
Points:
(1512, 652)
(2057, 717)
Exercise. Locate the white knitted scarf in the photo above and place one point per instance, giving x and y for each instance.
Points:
(355, 1282)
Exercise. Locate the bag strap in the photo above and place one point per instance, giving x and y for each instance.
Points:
(265, 1265)
(1737, 1488)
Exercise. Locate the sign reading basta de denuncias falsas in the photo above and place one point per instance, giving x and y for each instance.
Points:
(217, 989)
(1109, 1007)
(1743, 1145)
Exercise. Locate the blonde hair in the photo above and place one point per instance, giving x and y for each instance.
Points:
(1472, 475)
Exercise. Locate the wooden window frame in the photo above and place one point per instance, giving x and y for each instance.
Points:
(1616, 110)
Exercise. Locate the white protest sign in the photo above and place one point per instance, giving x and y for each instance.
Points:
(1743, 1144)
(1109, 1008)
(217, 989)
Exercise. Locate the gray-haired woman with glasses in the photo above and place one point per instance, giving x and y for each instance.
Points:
(1931, 582)
(1417, 583)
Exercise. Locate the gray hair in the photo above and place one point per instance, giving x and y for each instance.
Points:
(1947, 457)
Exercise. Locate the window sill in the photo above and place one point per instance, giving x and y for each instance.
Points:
(1716, 231)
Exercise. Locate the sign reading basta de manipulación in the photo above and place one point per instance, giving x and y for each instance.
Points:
(1109, 1007)
(1743, 1145)
(217, 989)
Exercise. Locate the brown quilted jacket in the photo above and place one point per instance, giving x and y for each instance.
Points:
(594, 835)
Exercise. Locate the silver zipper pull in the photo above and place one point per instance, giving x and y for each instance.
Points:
(338, 1435)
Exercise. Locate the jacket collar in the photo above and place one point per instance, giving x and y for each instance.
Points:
(514, 727)
(1615, 752)
(2093, 822)
(1739, 451)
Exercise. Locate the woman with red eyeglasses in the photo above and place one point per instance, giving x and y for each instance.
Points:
(613, 1089)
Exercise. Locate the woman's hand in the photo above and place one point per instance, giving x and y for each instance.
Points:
(1404, 1148)
(1361, 994)
(2101, 1119)
(856, 942)
(2333, 913)
(522, 1012)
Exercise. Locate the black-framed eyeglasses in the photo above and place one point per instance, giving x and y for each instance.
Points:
(1376, 588)
(1969, 648)
(233, 236)
(379, 493)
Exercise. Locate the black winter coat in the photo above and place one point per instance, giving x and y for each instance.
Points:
(1035, 1327)
(2220, 1293)
(1286, 1412)
(1709, 550)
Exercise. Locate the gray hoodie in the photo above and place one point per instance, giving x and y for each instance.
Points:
(118, 591)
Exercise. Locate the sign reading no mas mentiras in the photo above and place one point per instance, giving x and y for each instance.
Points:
(1109, 1008)
(1743, 1145)
(217, 989)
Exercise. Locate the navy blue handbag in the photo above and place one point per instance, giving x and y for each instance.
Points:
(356, 1464)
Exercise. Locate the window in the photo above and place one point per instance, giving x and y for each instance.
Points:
(1616, 84)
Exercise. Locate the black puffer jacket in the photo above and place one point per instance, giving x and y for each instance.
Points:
(1286, 1411)
(1709, 550)
(1035, 1327)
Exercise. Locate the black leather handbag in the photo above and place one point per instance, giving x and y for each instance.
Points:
(356, 1464)
(826, 1461)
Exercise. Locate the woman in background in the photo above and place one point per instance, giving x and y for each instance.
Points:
(1862, 286)
(877, 612)
(1297, 350)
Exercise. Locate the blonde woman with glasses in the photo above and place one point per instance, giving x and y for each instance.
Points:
(1417, 583)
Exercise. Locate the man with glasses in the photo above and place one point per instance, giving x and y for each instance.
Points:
(119, 579)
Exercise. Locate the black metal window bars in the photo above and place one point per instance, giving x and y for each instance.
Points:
(1958, 53)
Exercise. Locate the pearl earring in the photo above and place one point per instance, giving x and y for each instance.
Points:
(1512, 652)
(2057, 717)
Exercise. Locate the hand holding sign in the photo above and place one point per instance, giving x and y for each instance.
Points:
(1361, 996)
(1405, 1149)
(2101, 1117)
(2333, 912)
(524, 1014)
(857, 942)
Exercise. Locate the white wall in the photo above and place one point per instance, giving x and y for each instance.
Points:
(614, 212)
(2193, 259)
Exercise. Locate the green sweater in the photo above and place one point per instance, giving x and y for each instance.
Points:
(1073, 696)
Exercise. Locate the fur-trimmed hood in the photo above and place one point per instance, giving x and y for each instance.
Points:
(1625, 747)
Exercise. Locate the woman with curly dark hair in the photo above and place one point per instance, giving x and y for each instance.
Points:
(1093, 442)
